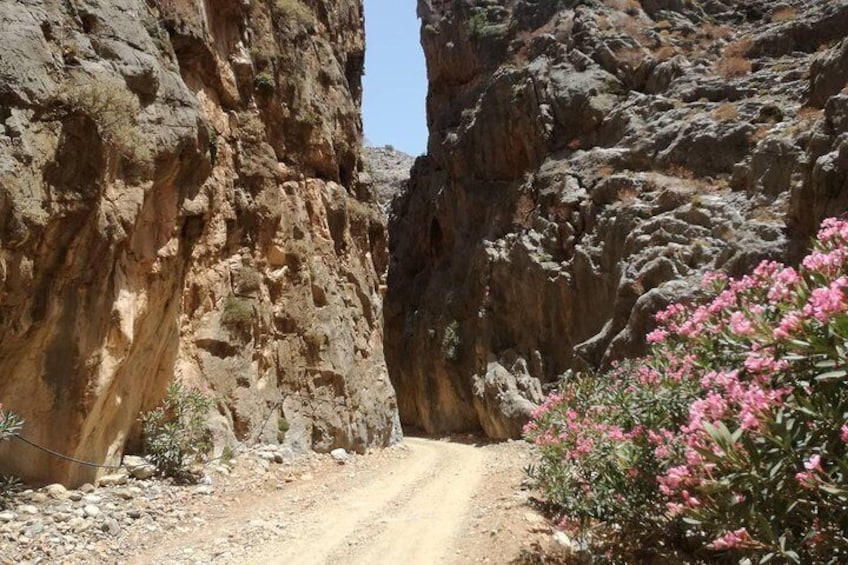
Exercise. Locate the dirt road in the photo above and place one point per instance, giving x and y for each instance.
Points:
(432, 502)
(410, 512)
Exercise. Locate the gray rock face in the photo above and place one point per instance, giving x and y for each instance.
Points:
(585, 166)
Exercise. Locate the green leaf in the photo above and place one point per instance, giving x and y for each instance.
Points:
(832, 375)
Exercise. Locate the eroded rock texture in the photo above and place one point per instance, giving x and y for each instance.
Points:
(587, 161)
(179, 197)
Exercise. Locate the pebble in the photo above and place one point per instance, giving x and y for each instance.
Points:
(139, 467)
(7, 516)
(56, 491)
(92, 499)
(112, 480)
(75, 496)
(27, 509)
(339, 455)
(87, 488)
(91, 510)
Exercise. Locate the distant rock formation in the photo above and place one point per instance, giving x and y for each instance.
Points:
(587, 162)
(387, 170)
(179, 198)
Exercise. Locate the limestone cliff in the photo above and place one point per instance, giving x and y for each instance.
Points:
(587, 161)
(179, 198)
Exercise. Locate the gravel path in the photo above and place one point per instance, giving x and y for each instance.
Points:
(424, 501)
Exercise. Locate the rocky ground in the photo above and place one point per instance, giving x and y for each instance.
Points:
(429, 501)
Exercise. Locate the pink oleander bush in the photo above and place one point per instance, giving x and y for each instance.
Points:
(729, 438)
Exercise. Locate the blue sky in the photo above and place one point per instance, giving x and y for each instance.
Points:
(395, 82)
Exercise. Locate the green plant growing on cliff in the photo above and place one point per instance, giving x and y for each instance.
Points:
(175, 434)
(237, 313)
(10, 425)
(452, 342)
(282, 427)
(114, 110)
(265, 83)
(295, 12)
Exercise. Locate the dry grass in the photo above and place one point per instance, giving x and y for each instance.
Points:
(809, 114)
(627, 194)
(679, 171)
(632, 56)
(731, 67)
(665, 53)
(738, 48)
(785, 14)
(726, 112)
(604, 171)
(712, 31)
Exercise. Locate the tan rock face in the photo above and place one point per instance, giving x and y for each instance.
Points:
(587, 162)
(179, 198)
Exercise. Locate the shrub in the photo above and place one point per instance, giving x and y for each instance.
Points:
(265, 83)
(282, 427)
(295, 12)
(237, 314)
(10, 425)
(733, 66)
(726, 112)
(784, 14)
(115, 110)
(735, 422)
(175, 434)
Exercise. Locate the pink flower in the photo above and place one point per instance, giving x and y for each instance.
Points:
(788, 325)
(813, 463)
(843, 433)
(740, 324)
(824, 302)
(657, 336)
(731, 539)
(807, 479)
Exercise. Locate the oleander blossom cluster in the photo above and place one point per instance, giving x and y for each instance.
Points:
(734, 424)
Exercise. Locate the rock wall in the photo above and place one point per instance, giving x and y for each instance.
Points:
(587, 161)
(180, 198)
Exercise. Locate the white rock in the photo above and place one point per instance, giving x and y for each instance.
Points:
(112, 480)
(92, 499)
(7, 516)
(204, 489)
(91, 510)
(27, 509)
(139, 467)
(56, 491)
(339, 454)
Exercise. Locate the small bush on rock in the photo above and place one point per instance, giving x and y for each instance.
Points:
(731, 435)
(10, 425)
(115, 110)
(175, 433)
(295, 12)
